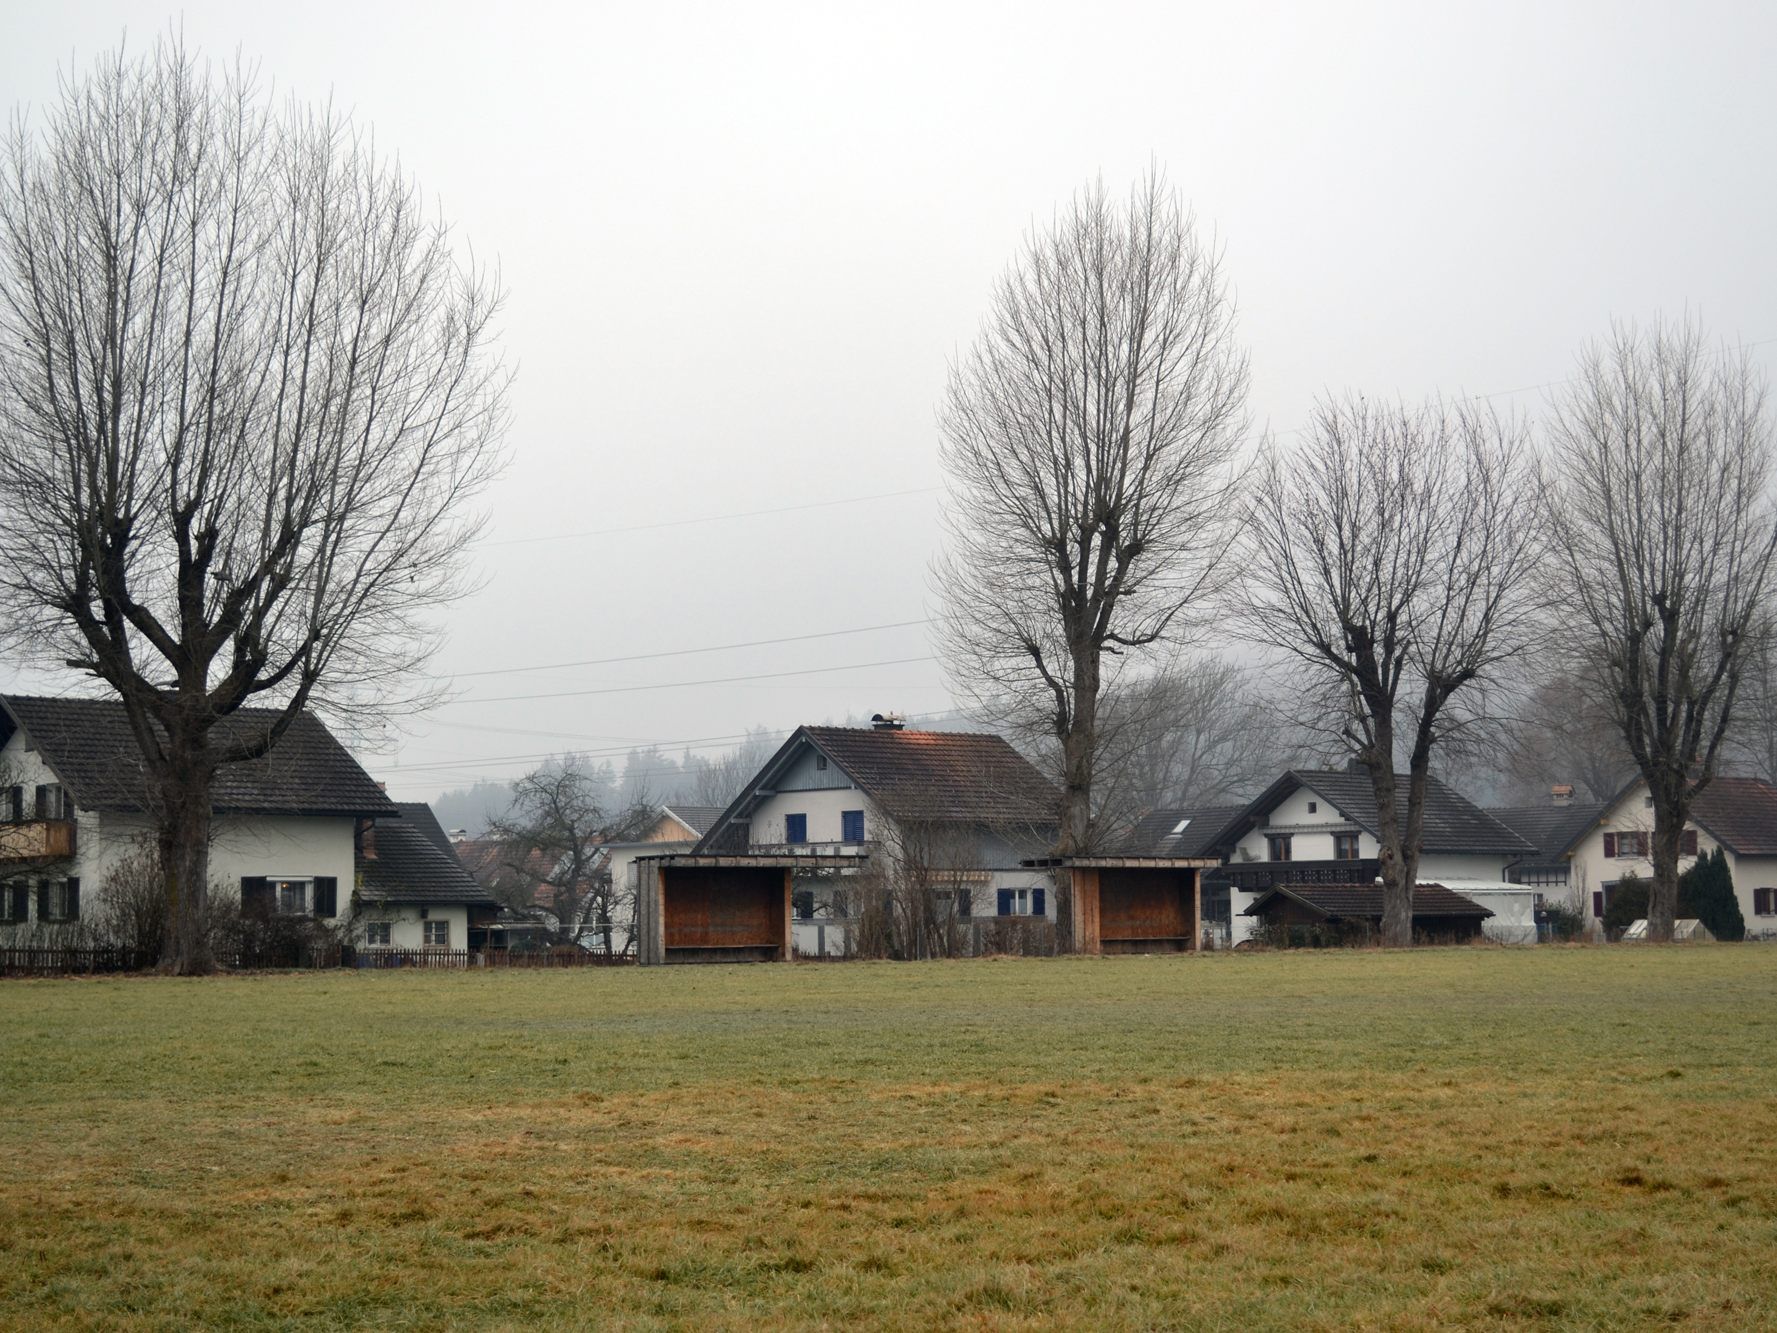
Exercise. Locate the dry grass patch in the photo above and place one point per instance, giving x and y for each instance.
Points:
(1471, 1137)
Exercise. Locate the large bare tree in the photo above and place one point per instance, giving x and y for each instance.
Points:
(246, 389)
(1661, 509)
(1088, 436)
(1388, 557)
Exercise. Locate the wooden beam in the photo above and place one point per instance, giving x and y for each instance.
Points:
(1087, 919)
(1196, 910)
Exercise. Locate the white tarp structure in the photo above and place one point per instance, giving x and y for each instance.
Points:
(1513, 907)
(1686, 930)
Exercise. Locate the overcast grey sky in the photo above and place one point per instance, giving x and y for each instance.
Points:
(743, 240)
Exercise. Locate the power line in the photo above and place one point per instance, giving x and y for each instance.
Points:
(687, 684)
(686, 652)
(714, 518)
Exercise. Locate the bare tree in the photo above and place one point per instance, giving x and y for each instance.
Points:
(1198, 732)
(1388, 557)
(1561, 731)
(1661, 510)
(245, 392)
(552, 847)
(717, 781)
(1087, 437)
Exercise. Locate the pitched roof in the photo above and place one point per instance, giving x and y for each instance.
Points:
(1351, 901)
(409, 867)
(88, 744)
(1739, 813)
(419, 815)
(1453, 823)
(1549, 828)
(698, 818)
(1190, 831)
(941, 775)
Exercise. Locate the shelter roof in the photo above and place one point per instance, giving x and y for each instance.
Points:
(1351, 901)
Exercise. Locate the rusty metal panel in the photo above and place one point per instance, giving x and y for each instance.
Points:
(1144, 904)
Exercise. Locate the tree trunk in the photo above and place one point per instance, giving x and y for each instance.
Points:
(1662, 894)
(184, 838)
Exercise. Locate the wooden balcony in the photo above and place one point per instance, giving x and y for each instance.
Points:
(37, 840)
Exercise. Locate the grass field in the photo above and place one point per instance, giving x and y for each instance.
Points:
(1581, 1137)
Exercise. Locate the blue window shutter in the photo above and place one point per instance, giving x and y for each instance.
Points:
(852, 825)
(1038, 903)
(1005, 903)
(795, 828)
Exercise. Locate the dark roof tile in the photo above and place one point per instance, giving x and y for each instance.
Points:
(409, 867)
(1352, 901)
(1191, 831)
(89, 745)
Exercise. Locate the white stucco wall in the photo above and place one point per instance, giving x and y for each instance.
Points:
(1589, 870)
(275, 846)
(1310, 832)
(823, 809)
(406, 925)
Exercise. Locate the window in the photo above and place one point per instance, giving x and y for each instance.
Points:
(14, 810)
(1345, 846)
(1279, 845)
(1626, 846)
(58, 900)
(804, 904)
(795, 828)
(377, 933)
(1022, 902)
(15, 902)
(820, 763)
(437, 934)
(290, 895)
(851, 826)
(1314, 807)
(49, 803)
(1764, 902)
(1687, 842)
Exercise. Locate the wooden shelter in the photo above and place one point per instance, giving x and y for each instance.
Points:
(731, 907)
(1134, 904)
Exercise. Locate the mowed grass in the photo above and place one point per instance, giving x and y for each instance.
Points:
(1578, 1137)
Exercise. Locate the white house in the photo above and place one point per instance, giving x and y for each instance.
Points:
(1739, 815)
(1320, 826)
(292, 830)
(964, 808)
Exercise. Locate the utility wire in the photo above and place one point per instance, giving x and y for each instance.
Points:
(685, 652)
(686, 684)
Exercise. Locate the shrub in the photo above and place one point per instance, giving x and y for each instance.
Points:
(1706, 891)
(1628, 904)
(1566, 923)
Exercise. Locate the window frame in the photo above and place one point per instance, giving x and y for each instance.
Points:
(1341, 841)
(431, 925)
(372, 929)
(1274, 842)
(796, 828)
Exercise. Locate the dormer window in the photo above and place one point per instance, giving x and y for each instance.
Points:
(1180, 827)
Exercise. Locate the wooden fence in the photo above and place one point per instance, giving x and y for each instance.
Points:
(53, 962)
(39, 962)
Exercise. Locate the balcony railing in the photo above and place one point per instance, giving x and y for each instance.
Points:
(37, 840)
(1257, 876)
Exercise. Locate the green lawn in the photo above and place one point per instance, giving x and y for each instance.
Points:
(1581, 1137)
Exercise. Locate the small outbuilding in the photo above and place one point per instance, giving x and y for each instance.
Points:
(1352, 913)
(1133, 904)
(723, 907)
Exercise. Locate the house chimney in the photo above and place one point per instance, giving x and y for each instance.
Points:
(887, 721)
(1561, 793)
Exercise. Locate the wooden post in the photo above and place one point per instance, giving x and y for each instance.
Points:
(656, 933)
(1196, 909)
(787, 951)
(1084, 884)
